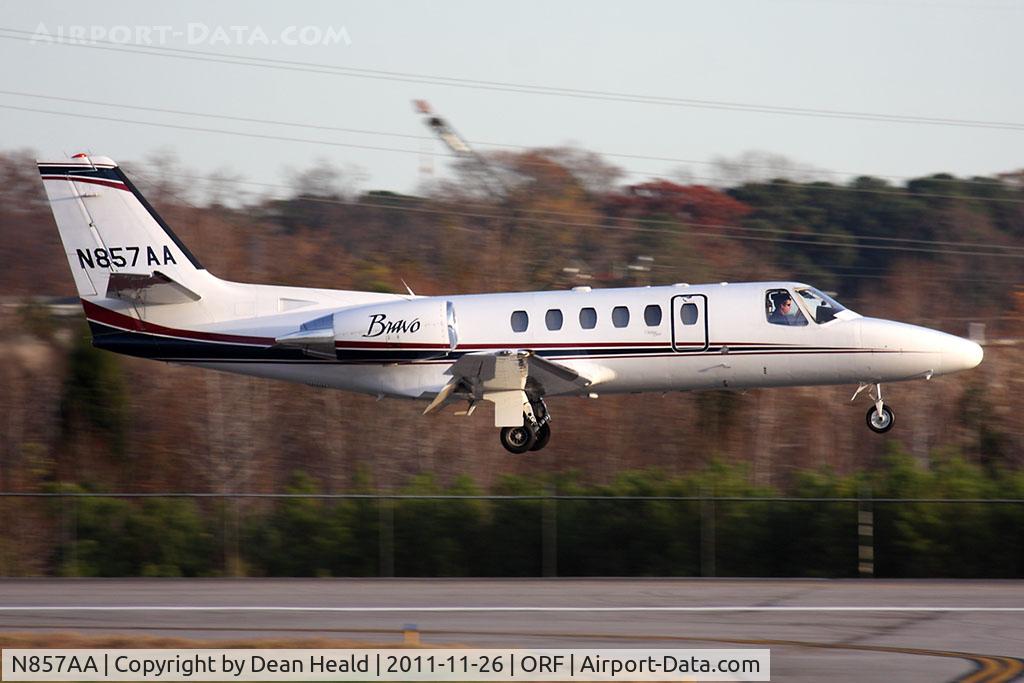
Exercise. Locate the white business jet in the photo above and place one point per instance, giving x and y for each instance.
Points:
(146, 295)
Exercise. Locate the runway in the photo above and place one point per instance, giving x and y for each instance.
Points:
(816, 629)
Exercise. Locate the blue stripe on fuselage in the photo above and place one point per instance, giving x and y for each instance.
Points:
(165, 348)
(157, 347)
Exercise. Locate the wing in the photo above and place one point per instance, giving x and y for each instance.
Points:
(504, 377)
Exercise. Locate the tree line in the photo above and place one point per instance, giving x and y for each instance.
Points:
(712, 518)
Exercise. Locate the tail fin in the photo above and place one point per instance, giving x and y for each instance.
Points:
(116, 243)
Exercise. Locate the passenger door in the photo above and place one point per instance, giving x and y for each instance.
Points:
(689, 323)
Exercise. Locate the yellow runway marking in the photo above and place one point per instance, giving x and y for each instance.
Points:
(990, 668)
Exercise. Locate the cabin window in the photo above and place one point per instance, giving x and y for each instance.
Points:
(553, 319)
(688, 314)
(781, 309)
(620, 316)
(520, 321)
(652, 315)
(588, 318)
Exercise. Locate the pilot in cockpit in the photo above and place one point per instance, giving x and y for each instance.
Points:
(784, 311)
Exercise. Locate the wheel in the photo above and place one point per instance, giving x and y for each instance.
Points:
(880, 423)
(517, 440)
(543, 436)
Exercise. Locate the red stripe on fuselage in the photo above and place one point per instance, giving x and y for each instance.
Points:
(497, 345)
(109, 317)
(92, 181)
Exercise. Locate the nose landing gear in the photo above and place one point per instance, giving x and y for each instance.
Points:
(880, 417)
(880, 421)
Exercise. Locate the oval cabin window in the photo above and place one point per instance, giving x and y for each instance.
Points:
(688, 313)
(652, 315)
(553, 319)
(588, 318)
(520, 321)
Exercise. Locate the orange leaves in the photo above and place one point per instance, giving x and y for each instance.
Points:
(694, 203)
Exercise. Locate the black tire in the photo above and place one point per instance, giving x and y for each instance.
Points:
(543, 436)
(880, 424)
(517, 440)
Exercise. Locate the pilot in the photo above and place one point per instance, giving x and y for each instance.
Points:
(785, 312)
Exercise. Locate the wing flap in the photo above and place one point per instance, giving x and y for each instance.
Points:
(504, 378)
(511, 370)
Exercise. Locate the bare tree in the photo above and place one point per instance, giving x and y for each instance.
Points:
(759, 166)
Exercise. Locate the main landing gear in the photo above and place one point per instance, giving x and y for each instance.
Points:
(533, 435)
(880, 417)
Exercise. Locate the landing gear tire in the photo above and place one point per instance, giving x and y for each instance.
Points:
(543, 436)
(518, 440)
(882, 422)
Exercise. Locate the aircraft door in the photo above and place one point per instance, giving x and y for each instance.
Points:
(689, 323)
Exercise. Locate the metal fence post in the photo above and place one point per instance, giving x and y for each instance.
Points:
(707, 535)
(387, 536)
(549, 535)
(236, 550)
(224, 534)
(865, 537)
(74, 534)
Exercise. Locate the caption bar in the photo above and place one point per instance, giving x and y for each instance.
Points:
(384, 665)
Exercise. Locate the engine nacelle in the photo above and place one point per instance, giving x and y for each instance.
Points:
(388, 332)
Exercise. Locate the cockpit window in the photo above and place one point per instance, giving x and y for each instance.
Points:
(781, 309)
(821, 305)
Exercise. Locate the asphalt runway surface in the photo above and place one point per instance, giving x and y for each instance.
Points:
(836, 630)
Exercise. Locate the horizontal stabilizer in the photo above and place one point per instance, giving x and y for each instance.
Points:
(149, 289)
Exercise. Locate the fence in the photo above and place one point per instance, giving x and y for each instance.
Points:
(195, 534)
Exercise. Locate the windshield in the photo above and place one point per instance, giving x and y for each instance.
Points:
(822, 307)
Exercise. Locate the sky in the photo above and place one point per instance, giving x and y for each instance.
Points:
(905, 59)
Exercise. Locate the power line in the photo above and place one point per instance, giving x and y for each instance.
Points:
(265, 136)
(494, 212)
(865, 273)
(889, 4)
(854, 242)
(842, 271)
(362, 131)
(491, 215)
(506, 86)
(226, 117)
(220, 131)
(262, 136)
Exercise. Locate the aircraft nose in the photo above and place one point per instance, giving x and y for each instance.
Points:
(961, 354)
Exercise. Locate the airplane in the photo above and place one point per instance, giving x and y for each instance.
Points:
(145, 294)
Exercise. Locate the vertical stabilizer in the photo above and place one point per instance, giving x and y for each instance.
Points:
(116, 244)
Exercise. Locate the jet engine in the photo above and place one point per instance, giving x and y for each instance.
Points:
(392, 331)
